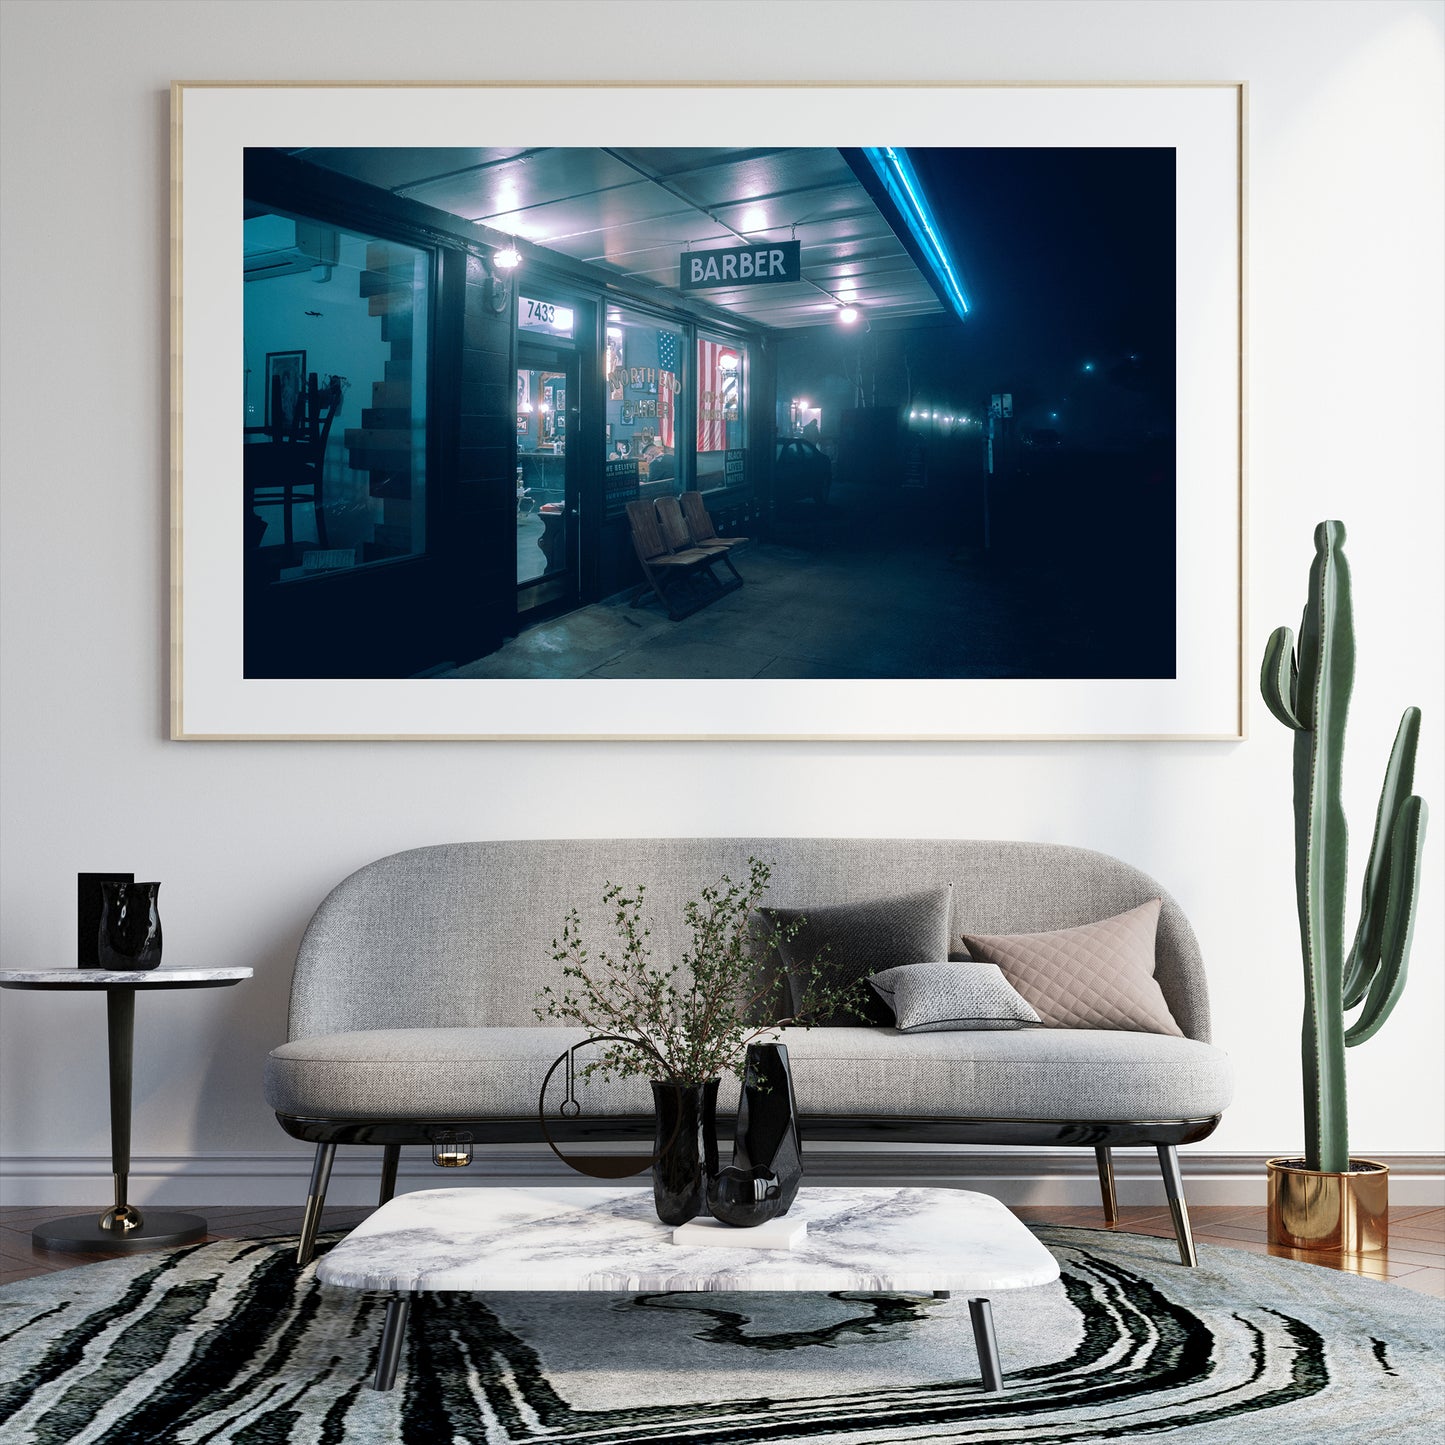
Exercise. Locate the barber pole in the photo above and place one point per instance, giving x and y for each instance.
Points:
(717, 382)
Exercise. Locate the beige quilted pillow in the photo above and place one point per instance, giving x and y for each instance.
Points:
(1098, 976)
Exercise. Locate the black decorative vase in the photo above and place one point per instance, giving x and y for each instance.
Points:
(744, 1197)
(130, 926)
(686, 1148)
(766, 1139)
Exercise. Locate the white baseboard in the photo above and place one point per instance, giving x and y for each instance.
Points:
(1016, 1176)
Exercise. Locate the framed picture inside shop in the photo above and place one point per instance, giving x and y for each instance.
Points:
(796, 444)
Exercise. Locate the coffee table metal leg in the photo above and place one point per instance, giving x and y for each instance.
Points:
(393, 1336)
(980, 1312)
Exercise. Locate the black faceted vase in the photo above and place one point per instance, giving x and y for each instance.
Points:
(766, 1140)
(685, 1146)
(130, 926)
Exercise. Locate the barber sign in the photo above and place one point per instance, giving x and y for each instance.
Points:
(742, 266)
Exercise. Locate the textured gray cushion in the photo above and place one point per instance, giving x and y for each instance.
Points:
(849, 941)
(1072, 1074)
(461, 933)
(1097, 976)
(938, 997)
(405, 1073)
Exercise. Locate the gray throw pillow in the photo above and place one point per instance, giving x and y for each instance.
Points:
(933, 998)
(850, 941)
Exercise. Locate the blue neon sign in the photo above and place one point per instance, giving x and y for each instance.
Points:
(893, 168)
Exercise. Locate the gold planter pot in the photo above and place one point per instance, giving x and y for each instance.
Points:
(1343, 1213)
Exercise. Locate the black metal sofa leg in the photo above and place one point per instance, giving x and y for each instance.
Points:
(391, 1156)
(1178, 1210)
(1104, 1157)
(311, 1220)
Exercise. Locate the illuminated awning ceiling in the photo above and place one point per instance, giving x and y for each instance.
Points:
(633, 211)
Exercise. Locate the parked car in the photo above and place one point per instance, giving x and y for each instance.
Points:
(801, 470)
(1046, 439)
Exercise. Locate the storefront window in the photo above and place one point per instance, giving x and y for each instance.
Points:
(643, 367)
(721, 408)
(335, 397)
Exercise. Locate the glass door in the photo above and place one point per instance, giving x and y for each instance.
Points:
(548, 396)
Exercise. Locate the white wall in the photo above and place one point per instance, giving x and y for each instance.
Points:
(1345, 386)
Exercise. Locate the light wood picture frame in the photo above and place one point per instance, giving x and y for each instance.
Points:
(213, 124)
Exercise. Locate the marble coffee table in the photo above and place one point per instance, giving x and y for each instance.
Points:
(491, 1240)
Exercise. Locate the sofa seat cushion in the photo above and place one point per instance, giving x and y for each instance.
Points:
(1071, 1074)
(482, 1073)
(486, 1073)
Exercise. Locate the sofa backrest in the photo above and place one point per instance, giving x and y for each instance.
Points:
(460, 935)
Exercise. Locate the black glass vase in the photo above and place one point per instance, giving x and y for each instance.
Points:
(130, 926)
(766, 1140)
(744, 1198)
(685, 1146)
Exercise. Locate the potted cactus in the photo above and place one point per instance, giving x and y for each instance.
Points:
(1328, 1200)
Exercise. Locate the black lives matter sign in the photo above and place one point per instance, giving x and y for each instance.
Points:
(742, 266)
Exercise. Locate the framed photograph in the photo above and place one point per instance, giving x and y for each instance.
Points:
(1006, 442)
(285, 389)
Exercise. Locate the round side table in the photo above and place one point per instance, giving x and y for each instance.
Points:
(122, 1227)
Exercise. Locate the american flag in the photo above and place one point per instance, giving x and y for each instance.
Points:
(717, 396)
(667, 388)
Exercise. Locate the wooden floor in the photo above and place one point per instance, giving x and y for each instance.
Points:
(1416, 1258)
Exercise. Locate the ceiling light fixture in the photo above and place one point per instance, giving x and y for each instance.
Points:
(508, 258)
(847, 315)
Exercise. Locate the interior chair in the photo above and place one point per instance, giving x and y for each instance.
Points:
(287, 470)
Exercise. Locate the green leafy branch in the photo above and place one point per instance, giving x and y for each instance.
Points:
(693, 1019)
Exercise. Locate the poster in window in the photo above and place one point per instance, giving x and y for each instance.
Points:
(285, 391)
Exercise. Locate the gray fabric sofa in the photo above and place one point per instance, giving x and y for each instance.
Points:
(412, 1004)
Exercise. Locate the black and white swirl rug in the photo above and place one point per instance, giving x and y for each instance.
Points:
(228, 1343)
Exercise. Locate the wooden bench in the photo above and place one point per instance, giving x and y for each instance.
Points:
(681, 579)
(680, 537)
(703, 534)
